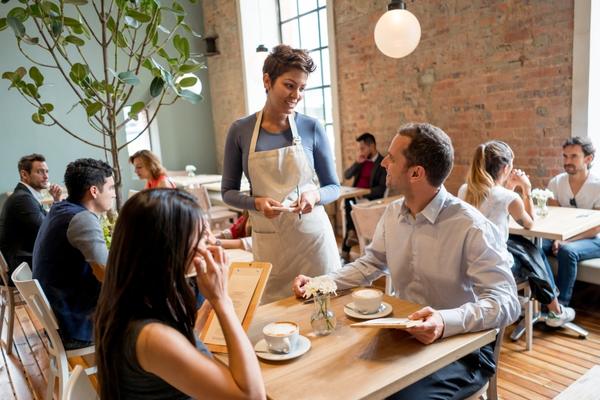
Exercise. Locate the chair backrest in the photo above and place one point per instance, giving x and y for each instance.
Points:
(201, 194)
(3, 270)
(365, 221)
(36, 300)
(79, 386)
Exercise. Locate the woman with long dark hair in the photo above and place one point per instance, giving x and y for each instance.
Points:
(145, 342)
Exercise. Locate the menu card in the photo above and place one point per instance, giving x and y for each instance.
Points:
(395, 323)
(246, 285)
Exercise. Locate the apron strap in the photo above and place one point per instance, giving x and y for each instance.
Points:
(295, 136)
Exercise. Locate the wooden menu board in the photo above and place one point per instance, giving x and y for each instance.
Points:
(247, 281)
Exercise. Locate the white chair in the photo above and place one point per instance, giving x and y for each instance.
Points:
(37, 302)
(8, 301)
(365, 217)
(79, 386)
(218, 215)
(490, 389)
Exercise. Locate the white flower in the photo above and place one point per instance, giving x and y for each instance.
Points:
(190, 168)
(542, 194)
(319, 285)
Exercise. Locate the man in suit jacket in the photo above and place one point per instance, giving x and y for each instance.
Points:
(23, 212)
(368, 173)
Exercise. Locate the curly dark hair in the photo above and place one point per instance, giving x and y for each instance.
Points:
(284, 58)
(431, 148)
(84, 173)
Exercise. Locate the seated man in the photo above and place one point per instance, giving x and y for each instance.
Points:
(441, 252)
(576, 187)
(367, 173)
(23, 213)
(70, 244)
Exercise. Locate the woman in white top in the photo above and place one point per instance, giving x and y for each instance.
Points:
(490, 187)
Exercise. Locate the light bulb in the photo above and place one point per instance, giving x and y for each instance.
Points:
(397, 33)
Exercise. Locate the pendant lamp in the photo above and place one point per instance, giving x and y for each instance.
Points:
(397, 33)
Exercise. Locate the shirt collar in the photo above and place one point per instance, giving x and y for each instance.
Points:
(38, 196)
(431, 210)
(374, 158)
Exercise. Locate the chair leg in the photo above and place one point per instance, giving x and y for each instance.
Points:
(51, 380)
(492, 392)
(11, 322)
(529, 320)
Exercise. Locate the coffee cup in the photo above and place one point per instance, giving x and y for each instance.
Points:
(367, 301)
(281, 336)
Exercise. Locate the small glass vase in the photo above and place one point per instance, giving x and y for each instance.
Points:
(322, 319)
(541, 209)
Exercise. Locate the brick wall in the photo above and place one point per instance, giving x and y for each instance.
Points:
(225, 69)
(483, 70)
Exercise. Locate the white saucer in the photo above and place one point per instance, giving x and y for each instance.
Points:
(302, 347)
(385, 310)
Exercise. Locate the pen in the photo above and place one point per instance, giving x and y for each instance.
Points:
(298, 200)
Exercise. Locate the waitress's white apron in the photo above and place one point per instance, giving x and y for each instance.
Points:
(293, 245)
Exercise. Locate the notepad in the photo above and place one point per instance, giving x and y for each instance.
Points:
(394, 323)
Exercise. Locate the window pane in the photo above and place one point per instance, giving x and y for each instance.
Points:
(328, 106)
(287, 9)
(309, 26)
(322, 3)
(307, 5)
(289, 33)
(323, 27)
(313, 100)
(315, 78)
(326, 68)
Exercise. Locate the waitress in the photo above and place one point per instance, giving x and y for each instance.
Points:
(285, 155)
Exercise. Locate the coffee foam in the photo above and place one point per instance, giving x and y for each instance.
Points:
(280, 329)
(367, 293)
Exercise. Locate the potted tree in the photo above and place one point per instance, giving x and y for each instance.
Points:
(145, 64)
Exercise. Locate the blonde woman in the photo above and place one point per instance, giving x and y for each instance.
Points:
(490, 187)
(147, 166)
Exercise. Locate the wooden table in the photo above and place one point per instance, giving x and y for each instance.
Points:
(561, 223)
(354, 363)
(203, 179)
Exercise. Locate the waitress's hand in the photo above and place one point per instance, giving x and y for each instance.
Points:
(264, 204)
(212, 271)
(307, 201)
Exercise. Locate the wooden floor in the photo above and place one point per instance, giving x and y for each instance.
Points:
(557, 359)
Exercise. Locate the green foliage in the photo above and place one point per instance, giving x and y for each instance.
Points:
(59, 34)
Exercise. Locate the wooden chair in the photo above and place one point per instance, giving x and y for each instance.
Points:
(365, 217)
(79, 386)
(220, 216)
(36, 300)
(489, 391)
(8, 300)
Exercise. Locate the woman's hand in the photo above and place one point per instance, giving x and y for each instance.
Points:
(307, 201)
(264, 204)
(519, 178)
(212, 271)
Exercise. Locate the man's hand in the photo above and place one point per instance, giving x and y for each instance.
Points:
(298, 285)
(55, 191)
(432, 327)
(556, 246)
(360, 158)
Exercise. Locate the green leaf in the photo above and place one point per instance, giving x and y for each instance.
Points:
(17, 26)
(30, 40)
(190, 96)
(163, 53)
(187, 68)
(135, 109)
(111, 25)
(76, 2)
(37, 118)
(3, 24)
(56, 27)
(148, 64)
(31, 90)
(35, 11)
(121, 3)
(50, 8)
(74, 40)
(46, 108)
(19, 13)
(156, 87)
(128, 78)
(182, 45)
(138, 16)
(71, 22)
(36, 75)
(120, 38)
(93, 108)
(78, 72)
(189, 81)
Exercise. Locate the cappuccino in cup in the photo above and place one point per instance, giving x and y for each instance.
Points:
(282, 336)
(367, 301)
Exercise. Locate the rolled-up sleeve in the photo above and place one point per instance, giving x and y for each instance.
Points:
(85, 234)
(488, 268)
